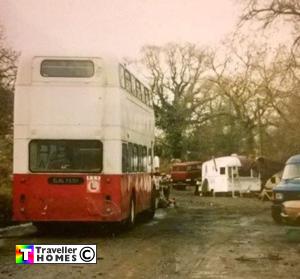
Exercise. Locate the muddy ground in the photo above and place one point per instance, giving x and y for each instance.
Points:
(202, 237)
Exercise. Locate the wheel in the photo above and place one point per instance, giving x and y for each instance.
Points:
(43, 227)
(197, 190)
(166, 192)
(153, 207)
(130, 222)
(149, 213)
(276, 215)
(205, 188)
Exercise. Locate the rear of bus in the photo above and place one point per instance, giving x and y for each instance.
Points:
(61, 137)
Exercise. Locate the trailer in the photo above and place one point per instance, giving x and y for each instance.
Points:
(229, 174)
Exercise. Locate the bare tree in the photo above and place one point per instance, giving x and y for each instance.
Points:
(286, 83)
(180, 96)
(8, 68)
(252, 88)
(7, 78)
(269, 11)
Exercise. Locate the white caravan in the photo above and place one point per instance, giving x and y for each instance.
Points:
(229, 174)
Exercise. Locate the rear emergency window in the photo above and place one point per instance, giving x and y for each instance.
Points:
(65, 156)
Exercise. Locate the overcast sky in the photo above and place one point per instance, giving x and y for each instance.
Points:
(120, 27)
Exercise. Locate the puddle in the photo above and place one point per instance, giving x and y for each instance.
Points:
(159, 214)
(293, 235)
(246, 221)
(151, 223)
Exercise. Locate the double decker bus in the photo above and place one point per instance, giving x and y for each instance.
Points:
(83, 142)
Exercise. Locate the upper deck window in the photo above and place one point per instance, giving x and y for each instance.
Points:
(128, 85)
(138, 89)
(147, 97)
(134, 86)
(67, 68)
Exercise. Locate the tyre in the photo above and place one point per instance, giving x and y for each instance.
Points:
(153, 207)
(43, 227)
(149, 213)
(276, 215)
(197, 190)
(130, 222)
(205, 188)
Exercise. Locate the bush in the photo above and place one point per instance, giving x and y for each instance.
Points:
(5, 210)
(5, 179)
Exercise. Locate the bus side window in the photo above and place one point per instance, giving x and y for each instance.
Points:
(149, 160)
(133, 85)
(140, 158)
(150, 99)
(143, 94)
(135, 158)
(144, 158)
(122, 76)
(130, 158)
(124, 157)
(138, 89)
(128, 86)
(146, 93)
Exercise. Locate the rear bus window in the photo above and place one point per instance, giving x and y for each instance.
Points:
(65, 156)
(67, 68)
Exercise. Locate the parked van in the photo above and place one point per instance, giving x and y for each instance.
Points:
(229, 174)
(289, 187)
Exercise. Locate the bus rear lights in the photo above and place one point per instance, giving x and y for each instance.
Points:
(22, 201)
(108, 210)
(22, 198)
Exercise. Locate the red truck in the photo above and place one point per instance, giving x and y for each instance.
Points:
(185, 173)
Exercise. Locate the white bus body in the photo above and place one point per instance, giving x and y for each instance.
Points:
(94, 111)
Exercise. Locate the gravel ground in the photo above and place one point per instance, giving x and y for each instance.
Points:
(201, 237)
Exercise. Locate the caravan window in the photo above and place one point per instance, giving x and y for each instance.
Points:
(222, 170)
